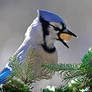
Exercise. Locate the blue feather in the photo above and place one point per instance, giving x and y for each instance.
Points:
(49, 16)
(4, 74)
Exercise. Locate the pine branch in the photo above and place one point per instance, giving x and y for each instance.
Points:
(81, 74)
(59, 67)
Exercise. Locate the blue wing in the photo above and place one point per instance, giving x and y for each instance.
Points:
(7, 71)
(4, 75)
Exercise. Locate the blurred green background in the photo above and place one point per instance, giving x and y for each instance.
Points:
(17, 15)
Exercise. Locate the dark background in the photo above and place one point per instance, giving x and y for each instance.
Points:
(17, 15)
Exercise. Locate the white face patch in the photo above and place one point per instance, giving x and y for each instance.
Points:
(51, 38)
(52, 34)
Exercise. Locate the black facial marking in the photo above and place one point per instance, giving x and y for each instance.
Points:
(63, 26)
(55, 28)
(58, 29)
(47, 49)
(45, 26)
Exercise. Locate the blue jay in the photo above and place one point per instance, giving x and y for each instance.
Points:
(41, 35)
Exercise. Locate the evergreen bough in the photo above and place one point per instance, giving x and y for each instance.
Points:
(77, 76)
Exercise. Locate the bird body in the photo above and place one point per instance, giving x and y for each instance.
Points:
(40, 37)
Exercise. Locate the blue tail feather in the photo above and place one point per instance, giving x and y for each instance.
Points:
(4, 75)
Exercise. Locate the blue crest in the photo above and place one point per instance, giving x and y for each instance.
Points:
(49, 16)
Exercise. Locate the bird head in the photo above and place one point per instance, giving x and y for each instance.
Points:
(47, 28)
(53, 28)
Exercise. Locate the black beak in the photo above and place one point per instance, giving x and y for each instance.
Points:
(70, 33)
(63, 42)
(67, 32)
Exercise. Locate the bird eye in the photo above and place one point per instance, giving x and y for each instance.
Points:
(65, 36)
